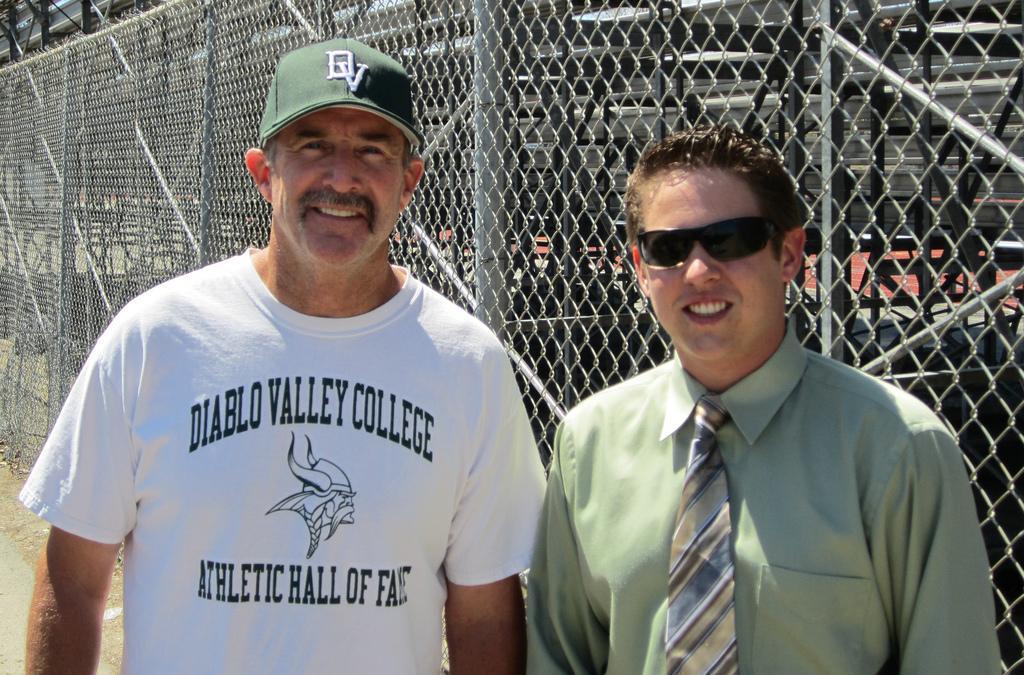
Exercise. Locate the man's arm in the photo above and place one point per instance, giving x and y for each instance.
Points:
(486, 627)
(930, 563)
(564, 636)
(66, 617)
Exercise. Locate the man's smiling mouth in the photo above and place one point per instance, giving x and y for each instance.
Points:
(707, 308)
(337, 213)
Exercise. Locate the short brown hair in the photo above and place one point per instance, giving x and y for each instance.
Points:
(724, 148)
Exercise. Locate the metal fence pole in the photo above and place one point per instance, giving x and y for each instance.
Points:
(831, 225)
(489, 98)
(208, 164)
(65, 287)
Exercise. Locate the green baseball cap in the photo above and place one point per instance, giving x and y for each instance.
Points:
(339, 73)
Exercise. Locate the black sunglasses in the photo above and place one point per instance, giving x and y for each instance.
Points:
(725, 240)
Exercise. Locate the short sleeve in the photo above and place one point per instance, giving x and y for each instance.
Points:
(495, 520)
(82, 481)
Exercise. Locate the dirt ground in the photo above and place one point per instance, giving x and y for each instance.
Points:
(28, 534)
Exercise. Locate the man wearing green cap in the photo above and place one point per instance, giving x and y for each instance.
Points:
(306, 452)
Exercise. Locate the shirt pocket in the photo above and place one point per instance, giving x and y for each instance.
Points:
(809, 623)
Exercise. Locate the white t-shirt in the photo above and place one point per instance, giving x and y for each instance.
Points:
(292, 491)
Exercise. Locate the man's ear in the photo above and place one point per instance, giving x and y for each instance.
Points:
(411, 177)
(259, 168)
(641, 272)
(792, 254)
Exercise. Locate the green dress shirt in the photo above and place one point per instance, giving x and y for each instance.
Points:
(856, 544)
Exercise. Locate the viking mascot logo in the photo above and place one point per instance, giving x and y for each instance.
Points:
(325, 501)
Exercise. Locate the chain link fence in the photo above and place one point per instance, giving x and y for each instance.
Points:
(121, 166)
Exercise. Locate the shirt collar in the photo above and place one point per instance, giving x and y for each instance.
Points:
(752, 402)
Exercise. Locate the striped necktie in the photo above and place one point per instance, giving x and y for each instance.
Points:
(700, 635)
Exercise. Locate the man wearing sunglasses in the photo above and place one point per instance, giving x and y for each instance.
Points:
(749, 505)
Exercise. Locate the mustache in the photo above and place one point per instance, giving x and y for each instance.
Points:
(332, 199)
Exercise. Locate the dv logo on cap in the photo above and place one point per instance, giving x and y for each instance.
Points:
(341, 65)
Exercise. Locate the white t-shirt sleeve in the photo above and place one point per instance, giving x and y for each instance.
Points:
(495, 521)
(83, 479)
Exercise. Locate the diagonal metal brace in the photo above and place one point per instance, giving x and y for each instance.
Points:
(435, 254)
(24, 267)
(165, 188)
(989, 298)
(909, 103)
